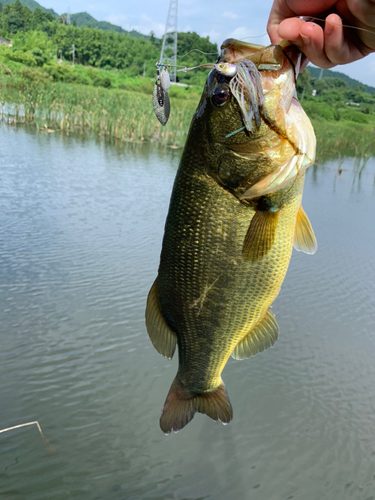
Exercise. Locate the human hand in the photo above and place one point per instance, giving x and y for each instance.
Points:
(333, 43)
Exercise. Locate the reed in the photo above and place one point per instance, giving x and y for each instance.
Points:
(342, 139)
(128, 116)
(114, 113)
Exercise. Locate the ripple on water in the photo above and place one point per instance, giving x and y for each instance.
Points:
(81, 226)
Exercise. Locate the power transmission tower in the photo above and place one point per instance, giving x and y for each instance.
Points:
(68, 16)
(169, 48)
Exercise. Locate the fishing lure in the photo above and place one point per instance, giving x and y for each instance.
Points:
(245, 85)
(246, 88)
(226, 69)
(160, 97)
(165, 80)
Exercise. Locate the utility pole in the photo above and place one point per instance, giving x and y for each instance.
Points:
(73, 54)
(168, 53)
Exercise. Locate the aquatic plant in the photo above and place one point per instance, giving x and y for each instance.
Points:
(114, 113)
(127, 115)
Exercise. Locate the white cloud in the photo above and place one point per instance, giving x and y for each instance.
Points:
(243, 33)
(118, 20)
(147, 24)
(230, 15)
(214, 36)
(186, 29)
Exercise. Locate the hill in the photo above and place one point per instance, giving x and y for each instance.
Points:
(84, 19)
(315, 73)
(32, 5)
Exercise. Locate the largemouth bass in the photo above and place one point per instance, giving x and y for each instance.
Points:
(234, 215)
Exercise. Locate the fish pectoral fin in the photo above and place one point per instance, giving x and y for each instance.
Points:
(260, 236)
(180, 407)
(162, 337)
(260, 338)
(304, 237)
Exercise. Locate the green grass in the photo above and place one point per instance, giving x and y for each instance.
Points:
(114, 113)
(339, 139)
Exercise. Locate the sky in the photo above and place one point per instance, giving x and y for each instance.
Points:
(217, 19)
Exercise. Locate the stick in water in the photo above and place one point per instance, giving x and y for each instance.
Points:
(51, 450)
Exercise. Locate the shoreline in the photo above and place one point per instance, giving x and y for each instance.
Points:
(128, 117)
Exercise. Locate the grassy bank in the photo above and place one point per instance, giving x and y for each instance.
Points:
(115, 113)
(340, 139)
(128, 116)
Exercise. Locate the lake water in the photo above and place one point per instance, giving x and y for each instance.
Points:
(81, 224)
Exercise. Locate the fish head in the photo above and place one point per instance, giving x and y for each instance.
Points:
(250, 112)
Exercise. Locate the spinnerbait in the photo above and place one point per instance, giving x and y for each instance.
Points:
(160, 97)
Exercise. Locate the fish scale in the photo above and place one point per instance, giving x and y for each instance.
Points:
(225, 253)
(229, 310)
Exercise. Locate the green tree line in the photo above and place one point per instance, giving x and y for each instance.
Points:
(92, 47)
(333, 99)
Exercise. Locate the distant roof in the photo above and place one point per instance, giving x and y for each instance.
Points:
(4, 42)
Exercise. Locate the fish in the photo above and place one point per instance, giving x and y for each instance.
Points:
(234, 216)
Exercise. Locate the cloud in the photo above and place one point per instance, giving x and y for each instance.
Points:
(147, 24)
(243, 33)
(230, 15)
(186, 29)
(118, 20)
(212, 35)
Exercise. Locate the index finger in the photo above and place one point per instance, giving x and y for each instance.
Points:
(285, 9)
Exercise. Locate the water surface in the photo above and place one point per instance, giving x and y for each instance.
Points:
(81, 224)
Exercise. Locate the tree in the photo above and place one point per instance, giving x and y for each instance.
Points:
(304, 83)
(15, 22)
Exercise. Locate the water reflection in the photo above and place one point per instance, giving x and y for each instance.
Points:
(81, 223)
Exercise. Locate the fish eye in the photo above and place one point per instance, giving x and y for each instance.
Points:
(220, 95)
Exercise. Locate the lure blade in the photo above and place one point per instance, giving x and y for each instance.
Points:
(161, 103)
(165, 80)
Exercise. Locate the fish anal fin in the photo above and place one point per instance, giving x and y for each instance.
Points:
(260, 236)
(304, 237)
(260, 338)
(180, 407)
(162, 337)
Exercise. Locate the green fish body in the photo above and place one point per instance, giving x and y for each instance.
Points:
(233, 219)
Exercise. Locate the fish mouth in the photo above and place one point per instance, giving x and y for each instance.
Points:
(266, 58)
(242, 63)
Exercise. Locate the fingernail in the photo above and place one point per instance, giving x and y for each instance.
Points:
(306, 39)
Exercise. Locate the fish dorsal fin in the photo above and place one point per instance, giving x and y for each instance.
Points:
(260, 236)
(162, 337)
(260, 338)
(304, 237)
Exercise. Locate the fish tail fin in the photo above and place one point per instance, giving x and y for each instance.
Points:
(180, 407)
